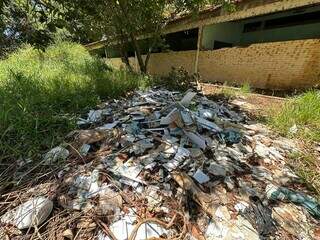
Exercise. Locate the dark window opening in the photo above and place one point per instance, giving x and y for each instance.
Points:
(252, 27)
(219, 45)
(183, 41)
(301, 19)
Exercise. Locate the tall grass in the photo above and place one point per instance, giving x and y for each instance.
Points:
(302, 111)
(42, 93)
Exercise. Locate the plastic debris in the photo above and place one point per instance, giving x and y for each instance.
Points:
(201, 177)
(283, 194)
(260, 216)
(56, 154)
(84, 149)
(108, 126)
(31, 213)
(123, 228)
(230, 136)
(186, 100)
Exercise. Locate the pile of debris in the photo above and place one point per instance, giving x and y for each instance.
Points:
(166, 165)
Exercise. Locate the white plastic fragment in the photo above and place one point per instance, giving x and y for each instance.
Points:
(201, 177)
(55, 154)
(94, 116)
(31, 213)
(173, 116)
(241, 206)
(123, 228)
(108, 126)
(84, 149)
(294, 129)
(196, 139)
(186, 100)
(180, 156)
(186, 117)
(130, 172)
(208, 125)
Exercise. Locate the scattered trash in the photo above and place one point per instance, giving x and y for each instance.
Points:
(294, 129)
(201, 177)
(283, 194)
(292, 219)
(260, 216)
(31, 213)
(84, 149)
(55, 154)
(230, 136)
(68, 234)
(161, 164)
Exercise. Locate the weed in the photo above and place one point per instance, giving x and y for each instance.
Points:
(42, 93)
(302, 111)
(228, 92)
(245, 88)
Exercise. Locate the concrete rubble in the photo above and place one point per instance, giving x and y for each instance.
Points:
(172, 165)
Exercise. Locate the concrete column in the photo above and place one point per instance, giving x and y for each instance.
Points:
(196, 62)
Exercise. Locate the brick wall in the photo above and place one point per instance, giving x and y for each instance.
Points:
(278, 65)
(162, 63)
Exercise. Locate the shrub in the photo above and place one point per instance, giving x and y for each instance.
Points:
(178, 79)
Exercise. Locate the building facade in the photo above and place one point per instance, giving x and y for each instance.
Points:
(266, 43)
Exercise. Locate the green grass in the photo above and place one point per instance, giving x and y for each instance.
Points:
(302, 111)
(42, 94)
(245, 88)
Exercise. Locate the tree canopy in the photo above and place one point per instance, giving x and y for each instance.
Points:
(39, 22)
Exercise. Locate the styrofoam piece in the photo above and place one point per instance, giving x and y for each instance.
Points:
(31, 213)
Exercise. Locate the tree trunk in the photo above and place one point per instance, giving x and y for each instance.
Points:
(136, 47)
(125, 59)
(123, 51)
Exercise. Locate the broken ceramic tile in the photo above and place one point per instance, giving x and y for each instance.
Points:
(201, 177)
(196, 139)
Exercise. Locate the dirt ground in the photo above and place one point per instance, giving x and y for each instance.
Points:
(256, 105)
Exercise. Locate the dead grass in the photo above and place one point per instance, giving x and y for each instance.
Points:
(307, 167)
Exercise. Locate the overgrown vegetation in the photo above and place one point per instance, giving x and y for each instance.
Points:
(42, 93)
(299, 117)
(177, 79)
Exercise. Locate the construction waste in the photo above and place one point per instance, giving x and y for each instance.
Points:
(167, 165)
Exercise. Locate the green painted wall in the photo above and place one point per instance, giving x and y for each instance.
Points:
(232, 32)
(307, 31)
(224, 32)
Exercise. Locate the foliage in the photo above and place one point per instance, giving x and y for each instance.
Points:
(302, 111)
(124, 21)
(42, 93)
(38, 22)
(177, 79)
